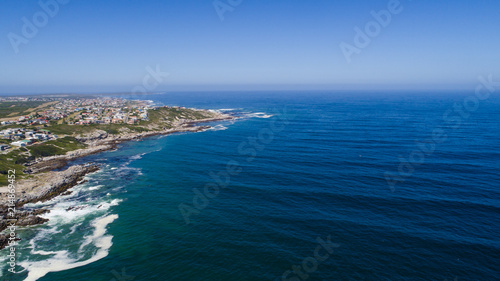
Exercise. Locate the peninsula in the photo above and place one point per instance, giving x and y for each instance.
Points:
(39, 136)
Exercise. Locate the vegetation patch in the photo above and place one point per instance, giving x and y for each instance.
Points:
(56, 147)
(9, 109)
(67, 143)
(44, 150)
(11, 161)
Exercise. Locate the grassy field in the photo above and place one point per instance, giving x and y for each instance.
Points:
(10, 109)
(55, 147)
(12, 161)
(170, 114)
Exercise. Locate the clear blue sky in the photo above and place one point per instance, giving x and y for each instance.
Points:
(105, 46)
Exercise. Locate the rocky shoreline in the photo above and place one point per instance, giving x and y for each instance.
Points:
(33, 191)
(45, 184)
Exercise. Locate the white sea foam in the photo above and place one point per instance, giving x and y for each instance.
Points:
(43, 234)
(3, 263)
(74, 227)
(229, 109)
(100, 230)
(138, 156)
(259, 115)
(61, 215)
(96, 187)
(61, 261)
(217, 128)
(125, 170)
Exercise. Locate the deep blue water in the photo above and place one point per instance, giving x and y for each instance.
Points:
(310, 166)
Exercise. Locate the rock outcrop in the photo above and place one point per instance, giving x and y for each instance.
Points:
(58, 183)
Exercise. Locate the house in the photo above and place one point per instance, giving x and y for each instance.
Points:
(41, 136)
(4, 147)
(18, 143)
(132, 120)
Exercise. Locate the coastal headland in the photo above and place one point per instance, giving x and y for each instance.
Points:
(40, 136)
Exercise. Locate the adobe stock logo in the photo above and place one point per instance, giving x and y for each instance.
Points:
(153, 79)
(39, 20)
(363, 37)
(221, 7)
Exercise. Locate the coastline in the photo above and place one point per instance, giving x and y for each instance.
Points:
(46, 184)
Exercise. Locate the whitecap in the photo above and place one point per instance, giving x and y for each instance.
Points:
(259, 115)
(229, 109)
(74, 227)
(136, 157)
(217, 128)
(96, 187)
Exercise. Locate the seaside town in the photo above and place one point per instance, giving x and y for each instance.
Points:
(22, 127)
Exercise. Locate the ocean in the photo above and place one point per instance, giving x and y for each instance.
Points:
(303, 186)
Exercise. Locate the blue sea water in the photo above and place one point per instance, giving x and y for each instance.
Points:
(304, 186)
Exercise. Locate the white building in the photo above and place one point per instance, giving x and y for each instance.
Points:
(18, 143)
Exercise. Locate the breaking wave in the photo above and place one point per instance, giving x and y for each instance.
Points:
(259, 115)
(63, 260)
(217, 128)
